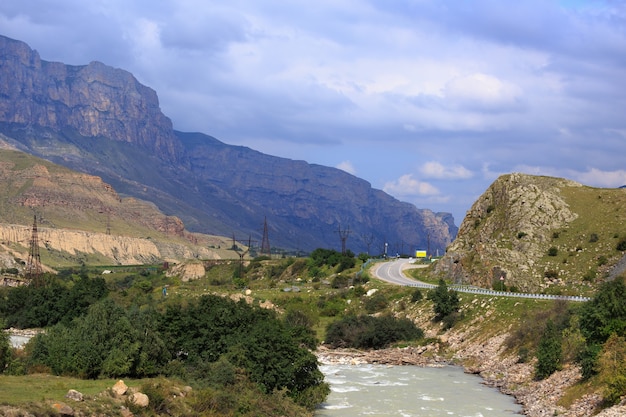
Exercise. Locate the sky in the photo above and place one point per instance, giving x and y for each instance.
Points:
(428, 100)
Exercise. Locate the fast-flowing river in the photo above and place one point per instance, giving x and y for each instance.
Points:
(406, 391)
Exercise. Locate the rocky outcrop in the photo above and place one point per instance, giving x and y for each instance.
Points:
(511, 229)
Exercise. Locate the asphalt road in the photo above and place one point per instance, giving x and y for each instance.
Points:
(391, 271)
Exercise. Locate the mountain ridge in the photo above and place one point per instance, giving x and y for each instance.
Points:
(102, 121)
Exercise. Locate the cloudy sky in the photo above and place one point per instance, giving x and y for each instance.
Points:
(429, 100)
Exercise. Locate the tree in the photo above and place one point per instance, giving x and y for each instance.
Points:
(548, 352)
(5, 348)
(612, 368)
(605, 314)
(446, 302)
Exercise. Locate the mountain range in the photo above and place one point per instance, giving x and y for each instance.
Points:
(100, 120)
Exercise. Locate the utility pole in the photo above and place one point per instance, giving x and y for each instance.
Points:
(368, 239)
(33, 265)
(265, 243)
(343, 235)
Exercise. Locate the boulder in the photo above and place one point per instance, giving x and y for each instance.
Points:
(63, 409)
(119, 388)
(139, 399)
(74, 395)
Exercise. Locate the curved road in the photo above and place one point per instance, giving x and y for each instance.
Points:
(392, 272)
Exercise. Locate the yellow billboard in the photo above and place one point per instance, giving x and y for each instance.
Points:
(420, 253)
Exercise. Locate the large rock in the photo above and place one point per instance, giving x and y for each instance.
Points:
(139, 399)
(74, 395)
(120, 388)
(507, 230)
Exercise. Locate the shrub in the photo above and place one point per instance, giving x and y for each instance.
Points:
(593, 238)
(5, 348)
(548, 352)
(416, 295)
(445, 301)
(551, 274)
(612, 368)
(553, 251)
(621, 245)
(590, 275)
(375, 303)
(367, 332)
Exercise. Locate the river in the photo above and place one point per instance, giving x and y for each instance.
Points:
(407, 391)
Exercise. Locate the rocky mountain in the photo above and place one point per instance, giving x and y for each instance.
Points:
(540, 234)
(102, 121)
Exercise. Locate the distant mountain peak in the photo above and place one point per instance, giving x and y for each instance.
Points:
(101, 120)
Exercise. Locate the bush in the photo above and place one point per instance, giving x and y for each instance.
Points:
(416, 295)
(446, 302)
(553, 251)
(375, 303)
(367, 332)
(5, 348)
(548, 352)
(621, 245)
(551, 274)
(612, 368)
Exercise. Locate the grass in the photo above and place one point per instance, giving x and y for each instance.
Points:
(18, 390)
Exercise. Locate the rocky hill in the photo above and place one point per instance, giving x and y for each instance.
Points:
(100, 120)
(539, 234)
(80, 218)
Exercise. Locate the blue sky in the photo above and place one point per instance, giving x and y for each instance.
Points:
(428, 100)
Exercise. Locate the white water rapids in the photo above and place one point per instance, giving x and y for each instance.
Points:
(407, 391)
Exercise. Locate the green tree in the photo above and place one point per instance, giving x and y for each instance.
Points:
(548, 352)
(612, 368)
(5, 348)
(446, 302)
(605, 314)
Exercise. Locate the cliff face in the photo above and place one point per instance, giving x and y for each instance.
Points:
(94, 100)
(82, 218)
(101, 121)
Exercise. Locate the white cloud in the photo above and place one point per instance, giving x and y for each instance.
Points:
(598, 178)
(482, 92)
(438, 171)
(346, 166)
(406, 185)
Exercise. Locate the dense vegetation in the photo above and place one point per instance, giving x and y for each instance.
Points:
(121, 328)
(368, 332)
(592, 334)
(36, 307)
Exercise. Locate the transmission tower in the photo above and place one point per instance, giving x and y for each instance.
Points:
(265, 243)
(33, 266)
(368, 239)
(343, 235)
